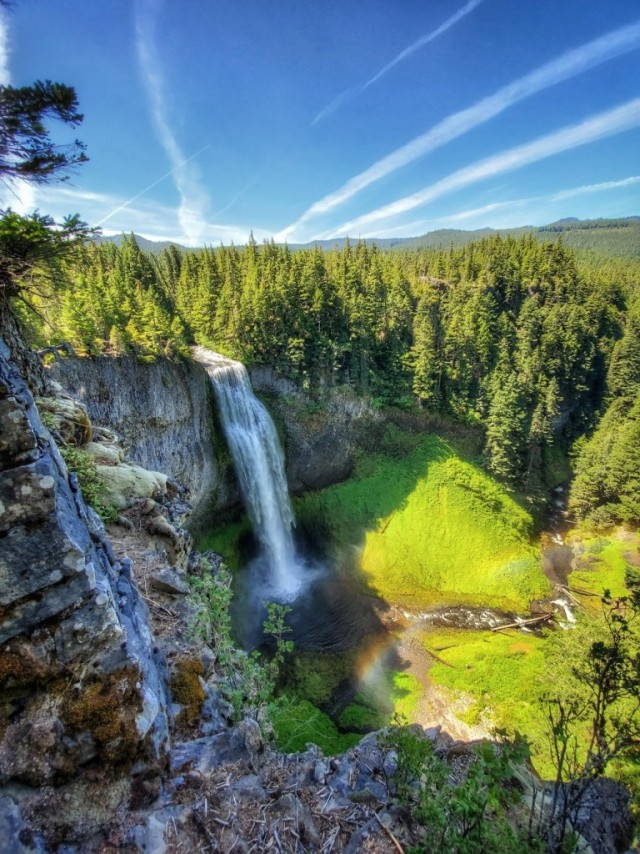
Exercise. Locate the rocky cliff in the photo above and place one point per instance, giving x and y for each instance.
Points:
(163, 411)
(321, 437)
(80, 685)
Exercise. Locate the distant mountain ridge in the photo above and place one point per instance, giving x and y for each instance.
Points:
(615, 237)
(152, 246)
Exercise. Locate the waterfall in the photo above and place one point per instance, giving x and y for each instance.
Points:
(259, 464)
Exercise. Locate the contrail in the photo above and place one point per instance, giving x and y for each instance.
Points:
(597, 127)
(418, 226)
(566, 66)
(354, 91)
(450, 22)
(146, 189)
(348, 94)
(193, 198)
(560, 196)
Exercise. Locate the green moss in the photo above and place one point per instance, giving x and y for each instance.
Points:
(225, 541)
(361, 716)
(603, 566)
(500, 673)
(430, 526)
(406, 694)
(297, 723)
(395, 694)
(91, 484)
(107, 709)
(423, 523)
(186, 688)
(18, 670)
(315, 676)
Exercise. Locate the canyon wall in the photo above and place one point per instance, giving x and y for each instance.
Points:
(80, 683)
(164, 413)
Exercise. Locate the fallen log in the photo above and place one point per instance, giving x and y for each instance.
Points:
(437, 658)
(584, 592)
(527, 622)
(568, 593)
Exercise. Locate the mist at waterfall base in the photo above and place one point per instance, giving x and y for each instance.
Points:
(328, 612)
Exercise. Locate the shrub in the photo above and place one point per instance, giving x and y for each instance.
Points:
(91, 484)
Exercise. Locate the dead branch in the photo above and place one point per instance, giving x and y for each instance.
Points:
(399, 847)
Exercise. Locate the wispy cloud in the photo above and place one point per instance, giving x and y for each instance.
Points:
(147, 218)
(562, 195)
(597, 127)
(568, 65)
(421, 42)
(489, 215)
(238, 196)
(150, 187)
(354, 91)
(595, 188)
(193, 199)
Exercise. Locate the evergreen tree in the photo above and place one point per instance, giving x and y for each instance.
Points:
(26, 149)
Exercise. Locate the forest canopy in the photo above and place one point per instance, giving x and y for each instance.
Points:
(516, 336)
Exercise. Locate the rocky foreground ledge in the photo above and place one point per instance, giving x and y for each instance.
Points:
(116, 731)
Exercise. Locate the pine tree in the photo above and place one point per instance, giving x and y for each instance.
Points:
(26, 149)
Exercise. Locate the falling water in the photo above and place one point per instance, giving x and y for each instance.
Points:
(259, 465)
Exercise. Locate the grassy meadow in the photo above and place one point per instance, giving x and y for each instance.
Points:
(427, 526)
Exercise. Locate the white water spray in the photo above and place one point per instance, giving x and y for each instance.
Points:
(259, 465)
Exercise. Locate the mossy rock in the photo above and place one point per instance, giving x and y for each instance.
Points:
(66, 416)
(107, 709)
(125, 484)
(186, 688)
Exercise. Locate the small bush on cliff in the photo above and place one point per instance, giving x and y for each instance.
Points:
(91, 484)
(249, 678)
(458, 810)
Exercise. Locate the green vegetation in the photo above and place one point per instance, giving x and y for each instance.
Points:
(576, 694)
(298, 722)
(225, 541)
(602, 565)
(406, 694)
(26, 148)
(249, 680)
(503, 678)
(537, 347)
(395, 695)
(468, 813)
(499, 674)
(430, 526)
(314, 676)
(33, 248)
(592, 705)
(609, 238)
(301, 713)
(509, 334)
(606, 488)
(91, 484)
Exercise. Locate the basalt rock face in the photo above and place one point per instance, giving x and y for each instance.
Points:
(164, 413)
(320, 439)
(166, 416)
(79, 683)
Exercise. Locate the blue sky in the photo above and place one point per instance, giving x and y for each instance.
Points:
(308, 119)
